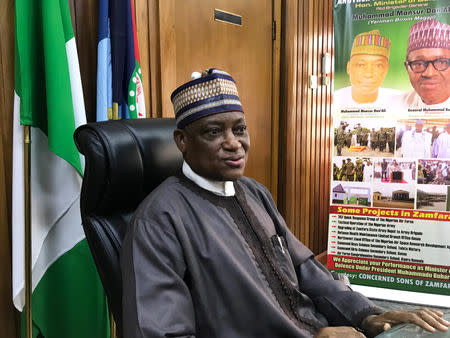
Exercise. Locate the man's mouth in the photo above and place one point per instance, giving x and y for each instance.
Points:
(429, 83)
(235, 162)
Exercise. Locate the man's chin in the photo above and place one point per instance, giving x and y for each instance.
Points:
(231, 175)
(430, 98)
(367, 90)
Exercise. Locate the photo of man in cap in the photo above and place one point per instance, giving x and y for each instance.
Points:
(441, 146)
(367, 68)
(416, 142)
(427, 63)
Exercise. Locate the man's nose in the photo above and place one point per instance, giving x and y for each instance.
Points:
(429, 71)
(369, 71)
(231, 142)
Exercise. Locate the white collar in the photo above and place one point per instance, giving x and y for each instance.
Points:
(221, 188)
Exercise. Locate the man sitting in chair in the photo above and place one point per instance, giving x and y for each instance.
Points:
(208, 255)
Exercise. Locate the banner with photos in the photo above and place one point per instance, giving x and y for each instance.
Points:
(390, 190)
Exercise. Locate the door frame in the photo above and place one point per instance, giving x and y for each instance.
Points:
(163, 78)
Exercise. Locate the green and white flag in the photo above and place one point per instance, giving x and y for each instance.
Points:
(68, 299)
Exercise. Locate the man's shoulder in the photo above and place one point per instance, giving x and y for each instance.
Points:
(163, 197)
(251, 184)
(253, 187)
(344, 90)
(443, 136)
(343, 96)
(427, 134)
(407, 133)
(389, 91)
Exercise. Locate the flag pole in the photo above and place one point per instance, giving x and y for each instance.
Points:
(27, 191)
(115, 111)
(112, 326)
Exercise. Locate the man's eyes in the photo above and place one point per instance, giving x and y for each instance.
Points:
(418, 63)
(240, 130)
(213, 131)
(442, 62)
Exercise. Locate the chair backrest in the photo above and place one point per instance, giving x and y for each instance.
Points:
(125, 160)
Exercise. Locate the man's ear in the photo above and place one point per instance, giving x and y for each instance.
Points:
(179, 136)
(348, 67)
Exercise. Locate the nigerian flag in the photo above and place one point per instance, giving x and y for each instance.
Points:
(68, 299)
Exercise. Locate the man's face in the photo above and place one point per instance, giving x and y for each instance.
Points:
(433, 86)
(367, 72)
(419, 127)
(216, 146)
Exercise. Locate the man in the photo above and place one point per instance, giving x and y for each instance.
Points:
(350, 170)
(441, 146)
(434, 134)
(368, 172)
(364, 137)
(358, 130)
(373, 139)
(359, 170)
(348, 137)
(208, 255)
(393, 167)
(343, 175)
(382, 139)
(416, 143)
(390, 136)
(340, 138)
(427, 63)
(367, 68)
(335, 172)
(384, 166)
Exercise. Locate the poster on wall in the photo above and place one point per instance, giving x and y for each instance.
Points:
(389, 228)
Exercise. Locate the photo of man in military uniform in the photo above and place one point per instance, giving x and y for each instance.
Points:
(367, 138)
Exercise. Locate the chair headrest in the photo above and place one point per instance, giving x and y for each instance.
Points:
(125, 161)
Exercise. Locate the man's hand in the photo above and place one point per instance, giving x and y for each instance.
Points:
(338, 332)
(428, 319)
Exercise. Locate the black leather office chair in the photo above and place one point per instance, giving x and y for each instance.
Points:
(125, 161)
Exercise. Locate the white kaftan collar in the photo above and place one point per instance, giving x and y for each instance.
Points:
(221, 188)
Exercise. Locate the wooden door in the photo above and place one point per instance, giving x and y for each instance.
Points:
(191, 40)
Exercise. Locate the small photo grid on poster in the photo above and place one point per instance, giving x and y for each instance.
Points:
(366, 138)
(394, 170)
(394, 195)
(433, 185)
(352, 169)
(351, 193)
(422, 138)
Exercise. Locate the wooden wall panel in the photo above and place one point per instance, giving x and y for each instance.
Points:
(305, 120)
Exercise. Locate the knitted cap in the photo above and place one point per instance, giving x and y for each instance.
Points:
(428, 34)
(372, 43)
(213, 93)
